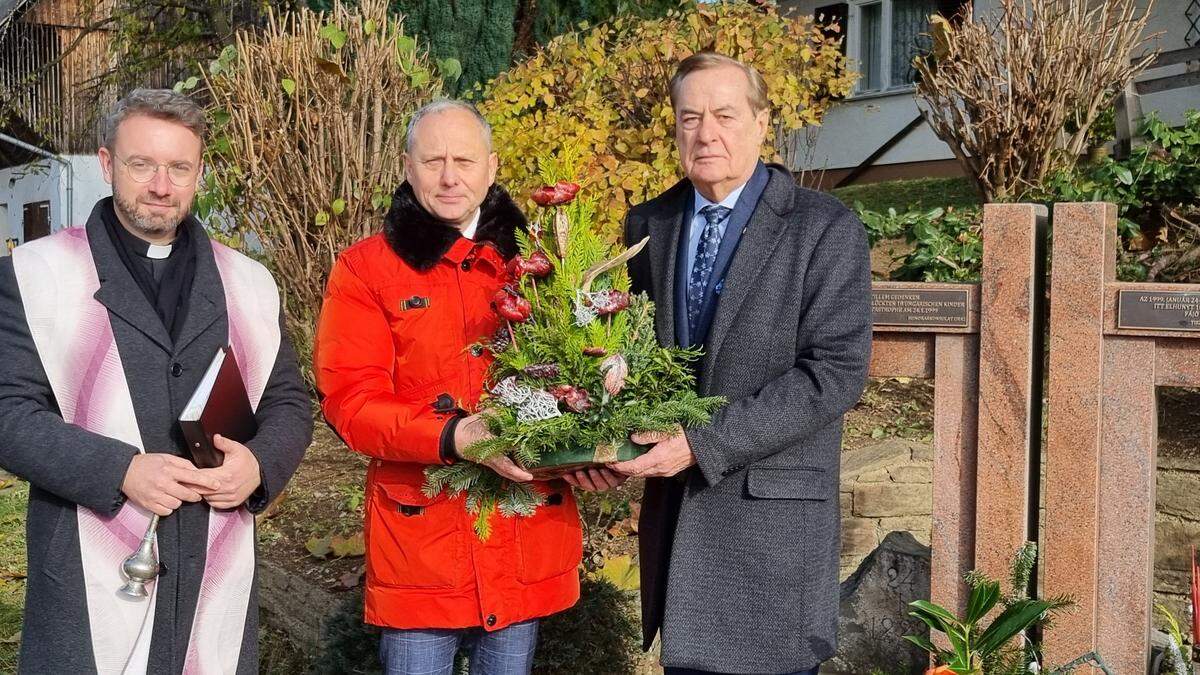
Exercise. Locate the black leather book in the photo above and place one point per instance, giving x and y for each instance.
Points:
(218, 406)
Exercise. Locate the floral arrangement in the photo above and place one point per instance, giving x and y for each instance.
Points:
(577, 367)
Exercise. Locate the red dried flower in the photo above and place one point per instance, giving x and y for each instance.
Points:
(511, 306)
(539, 265)
(610, 302)
(575, 398)
(558, 194)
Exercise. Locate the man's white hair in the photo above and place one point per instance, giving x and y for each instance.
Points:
(442, 105)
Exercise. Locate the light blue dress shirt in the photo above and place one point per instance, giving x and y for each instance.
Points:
(696, 228)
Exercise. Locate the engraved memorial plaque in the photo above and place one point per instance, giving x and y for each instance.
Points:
(1158, 310)
(937, 308)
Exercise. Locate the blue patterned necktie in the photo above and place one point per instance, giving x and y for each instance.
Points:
(706, 257)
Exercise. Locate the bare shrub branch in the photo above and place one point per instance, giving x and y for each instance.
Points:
(1013, 93)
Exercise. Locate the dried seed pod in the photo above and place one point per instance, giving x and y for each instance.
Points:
(542, 371)
(498, 342)
(562, 232)
(615, 370)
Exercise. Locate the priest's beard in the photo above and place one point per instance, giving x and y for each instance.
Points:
(145, 221)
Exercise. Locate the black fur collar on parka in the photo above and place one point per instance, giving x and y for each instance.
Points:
(421, 240)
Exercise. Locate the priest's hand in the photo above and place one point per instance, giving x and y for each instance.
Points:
(670, 455)
(161, 483)
(238, 474)
(471, 430)
(594, 479)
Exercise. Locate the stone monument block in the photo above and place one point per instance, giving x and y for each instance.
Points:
(874, 610)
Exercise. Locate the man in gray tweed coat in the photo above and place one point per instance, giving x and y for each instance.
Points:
(740, 525)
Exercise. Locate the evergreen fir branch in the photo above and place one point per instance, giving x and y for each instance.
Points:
(455, 477)
(483, 520)
(520, 500)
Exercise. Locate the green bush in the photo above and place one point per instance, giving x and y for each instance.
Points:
(598, 635)
(1158, 182)
(911, 195)
(947, 243)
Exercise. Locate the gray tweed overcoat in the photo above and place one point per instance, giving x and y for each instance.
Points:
(739, 554)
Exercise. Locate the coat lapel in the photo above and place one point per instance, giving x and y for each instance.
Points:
(118, 291)
(664, 226)
(758, 240)
(207, 302)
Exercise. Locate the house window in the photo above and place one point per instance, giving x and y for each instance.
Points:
(885, 35)
(37, 220)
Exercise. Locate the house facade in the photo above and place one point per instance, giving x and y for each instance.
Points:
(878, 133)
(49, 174)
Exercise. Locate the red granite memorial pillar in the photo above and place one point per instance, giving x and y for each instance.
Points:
(1010, 356)
(1084, 261)
(1111, 345)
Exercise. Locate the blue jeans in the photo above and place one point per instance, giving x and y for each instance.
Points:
(508, 651)
(690, 671)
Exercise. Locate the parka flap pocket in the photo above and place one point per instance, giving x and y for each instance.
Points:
(406, 495)
(414, 540)
(788, 483)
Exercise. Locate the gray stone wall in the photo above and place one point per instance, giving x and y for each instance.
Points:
(886, 487)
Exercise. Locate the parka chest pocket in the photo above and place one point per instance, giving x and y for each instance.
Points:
(414, 540)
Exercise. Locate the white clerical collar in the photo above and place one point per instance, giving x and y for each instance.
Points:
(729, 202)
(157, 252)
(469, 230)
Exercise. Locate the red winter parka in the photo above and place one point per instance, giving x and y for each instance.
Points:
(393, 362)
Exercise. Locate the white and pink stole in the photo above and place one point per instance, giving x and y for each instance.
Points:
(74, 338)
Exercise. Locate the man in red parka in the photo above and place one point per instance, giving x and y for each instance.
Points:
(397, 368)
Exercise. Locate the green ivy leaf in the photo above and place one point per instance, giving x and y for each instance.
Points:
(289, 86)
(420, 78)
(335, 35)
(228, 55)
(369, 27)
(220, 145)
(406, 43)
(451, 69)
(322, 218)
(338, 206)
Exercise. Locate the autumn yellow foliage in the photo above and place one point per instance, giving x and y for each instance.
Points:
(605, 90)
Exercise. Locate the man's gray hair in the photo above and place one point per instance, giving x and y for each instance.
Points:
(442, 105)
(163, 104)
